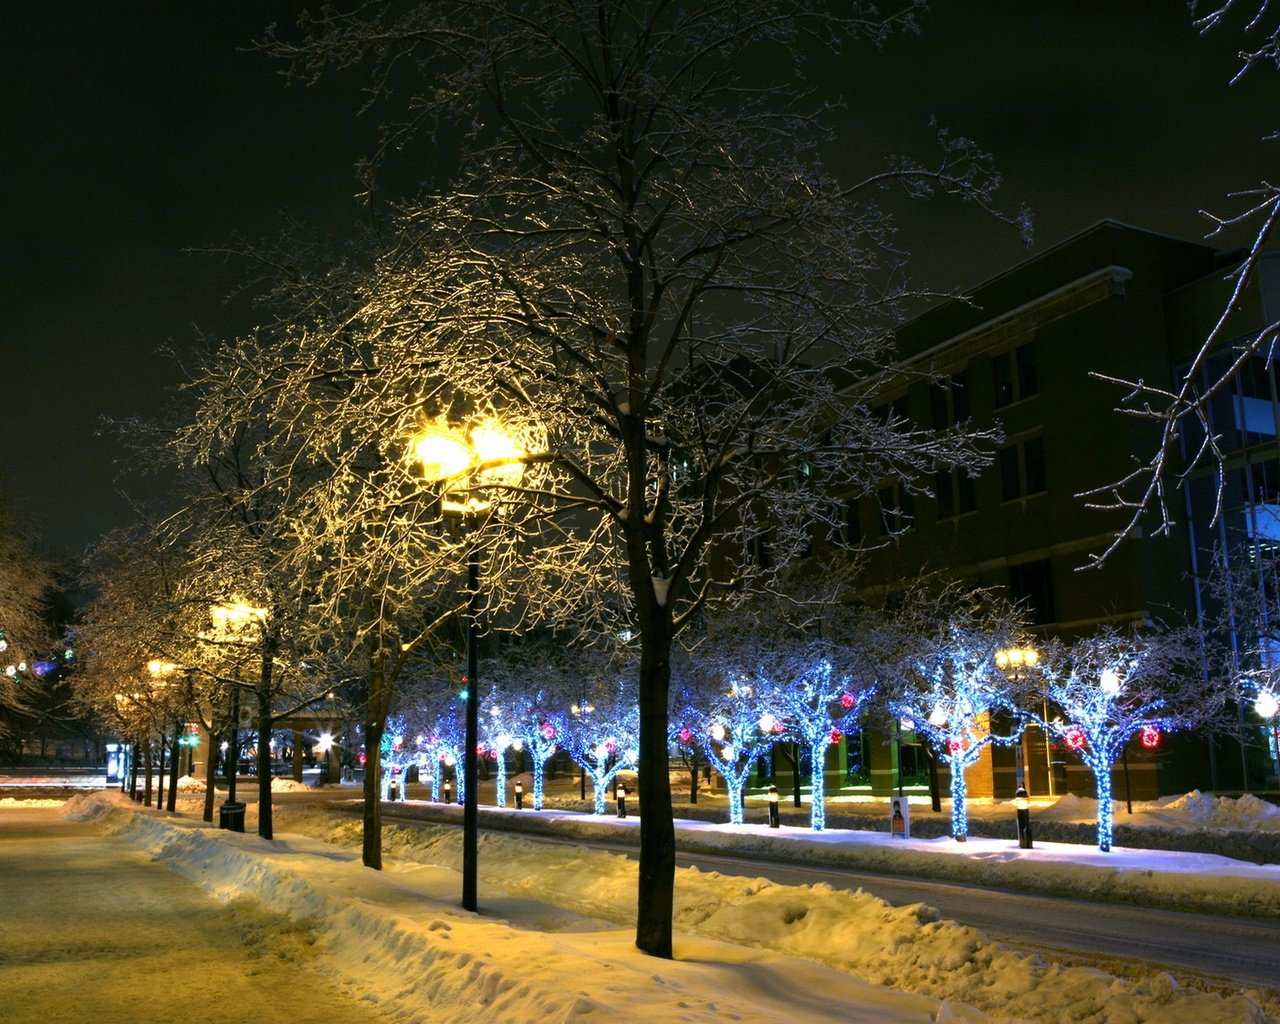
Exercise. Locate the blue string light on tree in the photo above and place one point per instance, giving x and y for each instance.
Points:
(820, 708)
(953, 686)
(1113, 687)
(733, 734)
(604, 741)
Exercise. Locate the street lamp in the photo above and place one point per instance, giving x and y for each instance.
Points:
(1016, 662)
(580, 712)
(464, 462)
(230, 618)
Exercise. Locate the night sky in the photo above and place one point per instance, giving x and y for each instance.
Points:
(140, 131)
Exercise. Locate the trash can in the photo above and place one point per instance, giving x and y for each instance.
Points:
(1059, 777)
(231, 816)
(324, 773)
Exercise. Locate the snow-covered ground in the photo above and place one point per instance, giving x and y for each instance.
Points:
(554, 941)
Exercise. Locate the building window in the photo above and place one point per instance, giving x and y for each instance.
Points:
(1031, 587)
(896, 510)
(1021, 469)
(852, 522)
(949, 403)
(1014, 375)
(956, 493)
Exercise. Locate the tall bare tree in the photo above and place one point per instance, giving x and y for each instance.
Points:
(1181, 412)
(25, 583)
(641, 265)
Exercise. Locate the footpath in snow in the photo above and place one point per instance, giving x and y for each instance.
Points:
(553, 941)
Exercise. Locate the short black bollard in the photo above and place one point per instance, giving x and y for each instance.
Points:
(622, 801)
(774, 821)
(448, 792)
(519, 796)
(1023, 806)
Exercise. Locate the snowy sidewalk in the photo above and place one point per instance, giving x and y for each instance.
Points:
(93, 931)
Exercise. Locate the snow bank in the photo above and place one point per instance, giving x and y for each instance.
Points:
(554, 943)
(907, 948)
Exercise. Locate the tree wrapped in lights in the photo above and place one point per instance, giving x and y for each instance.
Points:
(495, 735)
(657, 268)
(733, 722)
(537, 729)
(951, 685)
(819, 705)
(604, 740)
(399, 751)
(1112, 686)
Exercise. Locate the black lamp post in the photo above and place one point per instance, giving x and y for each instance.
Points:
(487, 456)
(470, 805)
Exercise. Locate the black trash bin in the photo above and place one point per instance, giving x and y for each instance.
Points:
(231, 816)
(324, 773)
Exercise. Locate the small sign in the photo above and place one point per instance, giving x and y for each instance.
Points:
(900, 817)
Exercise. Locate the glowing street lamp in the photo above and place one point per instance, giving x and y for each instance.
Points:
(230, 618)
(463, 462)
(1015, 662)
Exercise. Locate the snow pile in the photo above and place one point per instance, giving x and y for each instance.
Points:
(1204, 810)
(558, 900)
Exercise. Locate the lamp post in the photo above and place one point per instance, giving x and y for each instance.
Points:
(229, 619)
(483, 456)
(580, 712)
(1016, 663)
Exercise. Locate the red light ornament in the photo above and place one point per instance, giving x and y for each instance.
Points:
(1075, 737)
(1150, 737)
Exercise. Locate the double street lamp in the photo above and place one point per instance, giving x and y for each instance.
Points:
(1016, 663)
(466, 462)
(228, 620)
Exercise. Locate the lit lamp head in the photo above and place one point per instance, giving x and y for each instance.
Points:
(447, 453)
(1014, 659)
(1110, 682)
(1266, 705)
(235, 614)
(159, 669)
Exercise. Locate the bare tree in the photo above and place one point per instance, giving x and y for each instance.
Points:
(1181, 413)
(640, 263)
(948, 681)
(25, 582)
(1113, 686)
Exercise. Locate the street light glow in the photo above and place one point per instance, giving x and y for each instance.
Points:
(1110, 682)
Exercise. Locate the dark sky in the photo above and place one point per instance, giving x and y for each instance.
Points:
(138, 131)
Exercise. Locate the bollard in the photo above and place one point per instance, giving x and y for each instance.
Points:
(1023, 806)
(448, 792)
(622, 801)
(774, 821)
(519, 795)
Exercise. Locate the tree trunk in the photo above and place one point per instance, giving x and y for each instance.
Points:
(175, 763)
(372, 850)
(297, 756)
(160, 774)
(657, 828)
(935, 789)
(210, 778)
(265, 824)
